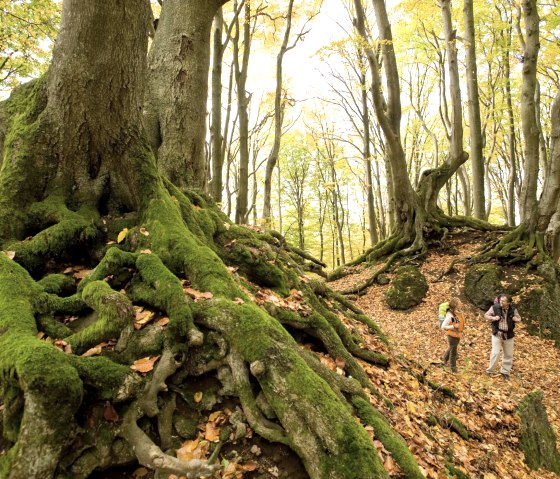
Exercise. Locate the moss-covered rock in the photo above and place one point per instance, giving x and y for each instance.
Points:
(538, 440)
(538, 306)
(482, 284)
(407, 289)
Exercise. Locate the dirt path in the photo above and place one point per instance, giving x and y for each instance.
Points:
(486, 405)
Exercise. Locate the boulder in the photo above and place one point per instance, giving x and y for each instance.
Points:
(483, 284)
(408, 288)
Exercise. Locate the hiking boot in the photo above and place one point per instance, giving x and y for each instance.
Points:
(505, 377)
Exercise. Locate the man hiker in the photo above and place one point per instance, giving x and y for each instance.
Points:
(503, 317)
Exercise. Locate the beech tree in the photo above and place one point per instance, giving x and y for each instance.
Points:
(78, 168)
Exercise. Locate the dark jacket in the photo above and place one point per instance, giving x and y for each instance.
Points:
(510, 322)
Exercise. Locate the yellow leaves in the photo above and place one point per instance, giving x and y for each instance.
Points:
(144, 365)
(9, 254)
(122, 235)
(195, 449)
(198, 396)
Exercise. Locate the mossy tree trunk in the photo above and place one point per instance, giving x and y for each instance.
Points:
(76, 157)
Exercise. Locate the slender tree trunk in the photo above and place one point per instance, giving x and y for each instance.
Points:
(216, 137)
(512, 137)
(372, 220)
(475, 128)
(241, 71)
(528, 199)
(278, 117)
(175, 108)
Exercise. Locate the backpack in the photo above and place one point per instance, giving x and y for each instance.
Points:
(442, 311)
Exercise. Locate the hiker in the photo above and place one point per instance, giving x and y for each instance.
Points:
(453, 324)
(503, 316)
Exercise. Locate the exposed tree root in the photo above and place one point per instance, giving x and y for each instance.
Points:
(286, 393)
(521, 245)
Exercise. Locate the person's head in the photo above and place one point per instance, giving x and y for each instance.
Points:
(504, 300)
(454, 304)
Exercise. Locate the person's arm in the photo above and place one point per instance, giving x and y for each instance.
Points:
(448, 322)
(516, 316)
(489, 315)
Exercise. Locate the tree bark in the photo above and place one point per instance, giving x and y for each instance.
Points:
(216, 137)
(278, 117)
(175, 109)
(241, 72)
(475, 128)
(528, 199)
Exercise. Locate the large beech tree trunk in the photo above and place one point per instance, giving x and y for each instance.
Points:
(177, 91)
(76, 158)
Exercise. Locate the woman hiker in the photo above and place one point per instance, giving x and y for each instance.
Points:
(453, 324)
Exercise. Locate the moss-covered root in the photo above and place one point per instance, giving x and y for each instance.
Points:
(319, 426)
(390, 439)
(153, 457)
(37, 372)
(115, 312)
(70, 230)
(169, 296)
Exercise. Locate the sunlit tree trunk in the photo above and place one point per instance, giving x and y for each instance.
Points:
(175, 109)
(475, 128)
(278, 117)
(241, 70)
(528, 199)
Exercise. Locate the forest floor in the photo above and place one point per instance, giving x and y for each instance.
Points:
(485, 405)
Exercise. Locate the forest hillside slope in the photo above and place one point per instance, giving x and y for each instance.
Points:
(486, 405)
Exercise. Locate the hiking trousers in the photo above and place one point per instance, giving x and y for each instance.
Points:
(451, 353)
(499, 345)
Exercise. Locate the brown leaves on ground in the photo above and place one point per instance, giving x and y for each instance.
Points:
(485, 405)
(294, 302)
(144, 365)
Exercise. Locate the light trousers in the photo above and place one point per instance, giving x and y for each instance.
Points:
(499, 345)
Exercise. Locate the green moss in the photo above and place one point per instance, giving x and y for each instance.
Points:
(71, 229)
(538, 439)
(56, 283)
(407, 289)
(482, 284)
(12, 399)
(168, 293)
(115, 312)
(390, 439)
(101, 373)
(183, 253)
(53, 328)
(455, 473)
(453, 423)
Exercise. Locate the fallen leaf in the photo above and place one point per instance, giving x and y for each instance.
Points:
(140, 473)
(249, 466)
(109, 412)
(122, 235)
(146, 251)
(144, 365)
(163, 321)
(198, 396)
(9, 254)
(144, 231)
(211, 432)
(238, 301)
(81, 273)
